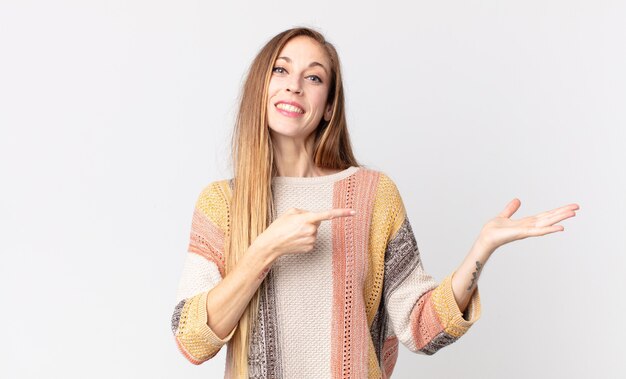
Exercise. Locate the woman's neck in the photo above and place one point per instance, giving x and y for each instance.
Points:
(294, 158)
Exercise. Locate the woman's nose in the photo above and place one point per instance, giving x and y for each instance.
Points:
(295, 87)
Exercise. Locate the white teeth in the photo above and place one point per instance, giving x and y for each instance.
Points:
(289, 108)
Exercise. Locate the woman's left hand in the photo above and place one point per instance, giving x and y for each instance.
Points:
(502, 230)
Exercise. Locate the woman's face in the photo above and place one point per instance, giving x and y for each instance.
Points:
(298, 88)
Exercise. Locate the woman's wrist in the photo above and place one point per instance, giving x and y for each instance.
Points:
(482, 249)
(265, 252)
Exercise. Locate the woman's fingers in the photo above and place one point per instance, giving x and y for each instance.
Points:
(510, 208)
(554, 218)
(329, 214)
(555, 215)
(541, 231)
(572, 207)
(544, 223)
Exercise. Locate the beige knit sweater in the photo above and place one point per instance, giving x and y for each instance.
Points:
(338, 311)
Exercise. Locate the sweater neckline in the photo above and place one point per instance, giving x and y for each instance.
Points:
(315, 179)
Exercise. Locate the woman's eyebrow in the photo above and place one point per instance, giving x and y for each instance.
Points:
(310, 65)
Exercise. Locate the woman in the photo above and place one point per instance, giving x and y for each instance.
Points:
(305, 262)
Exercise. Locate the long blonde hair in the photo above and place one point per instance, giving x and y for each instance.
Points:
(252, 206)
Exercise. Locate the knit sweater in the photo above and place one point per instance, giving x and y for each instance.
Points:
(338, 311)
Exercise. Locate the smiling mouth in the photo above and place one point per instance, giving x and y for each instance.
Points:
(289, 108)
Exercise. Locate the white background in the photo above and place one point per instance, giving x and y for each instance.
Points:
(115, 114)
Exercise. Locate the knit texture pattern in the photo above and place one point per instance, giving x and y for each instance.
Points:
(338, 311)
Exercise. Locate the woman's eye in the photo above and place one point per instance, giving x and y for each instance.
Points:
(278, 70)
(315, 78)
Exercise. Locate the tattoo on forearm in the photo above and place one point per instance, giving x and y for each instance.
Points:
(475, 274)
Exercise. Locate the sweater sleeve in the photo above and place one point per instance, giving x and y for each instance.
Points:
(423, 314)
(203, 269)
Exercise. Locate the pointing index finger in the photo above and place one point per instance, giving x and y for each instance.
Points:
(331, 213)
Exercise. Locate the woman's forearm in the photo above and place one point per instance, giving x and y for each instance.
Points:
(227, 301)
(466, 276)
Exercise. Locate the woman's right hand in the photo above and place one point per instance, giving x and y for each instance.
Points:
(295, 231)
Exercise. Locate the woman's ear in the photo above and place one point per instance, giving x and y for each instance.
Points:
(328, 112)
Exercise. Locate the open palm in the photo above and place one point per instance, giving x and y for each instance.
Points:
(502, 229)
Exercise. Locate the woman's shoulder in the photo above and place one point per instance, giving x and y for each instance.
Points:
(219, 187)
(387, 207)
(214, 201)
(384, 182)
